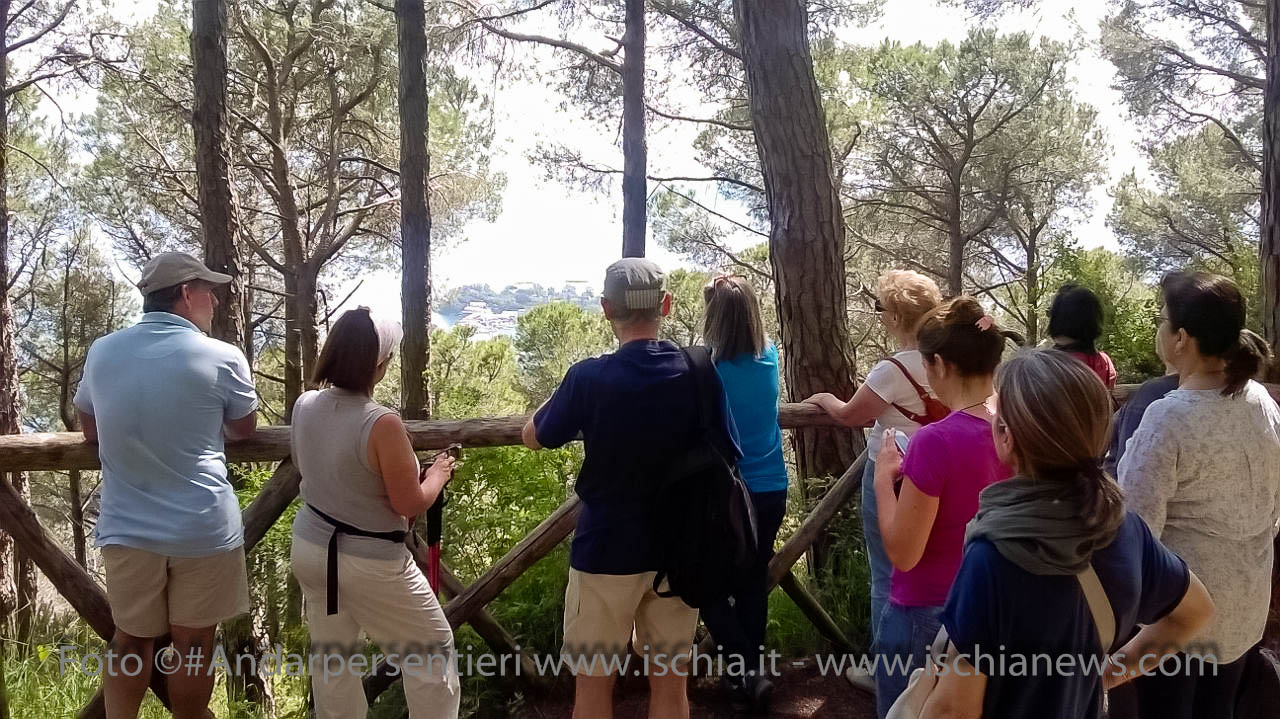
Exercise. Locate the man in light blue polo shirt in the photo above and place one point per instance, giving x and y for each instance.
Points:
(158, 398)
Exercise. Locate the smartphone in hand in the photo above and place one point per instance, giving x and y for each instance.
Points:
(900, 438)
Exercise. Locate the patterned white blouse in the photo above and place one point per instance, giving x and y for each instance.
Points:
(1203, 470)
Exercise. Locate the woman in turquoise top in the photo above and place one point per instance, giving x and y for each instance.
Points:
(748, 367)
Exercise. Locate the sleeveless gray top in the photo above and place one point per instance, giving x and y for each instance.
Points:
(330, 438)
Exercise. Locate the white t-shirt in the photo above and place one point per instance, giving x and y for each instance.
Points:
(888, 382)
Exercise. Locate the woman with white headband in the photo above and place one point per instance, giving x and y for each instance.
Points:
(360, 483)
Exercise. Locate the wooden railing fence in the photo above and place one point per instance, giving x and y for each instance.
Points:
(466, 604)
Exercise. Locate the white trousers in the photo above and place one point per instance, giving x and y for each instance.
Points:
(392, 602)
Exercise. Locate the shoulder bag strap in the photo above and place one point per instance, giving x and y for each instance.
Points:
(1103, 618)
(700, 365)
(920, 392)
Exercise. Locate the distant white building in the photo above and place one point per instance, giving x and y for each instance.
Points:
(487, 323)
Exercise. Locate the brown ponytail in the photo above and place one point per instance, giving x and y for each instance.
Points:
(1244, 361)
(952, 332)
(1059, 415)
(1212, 310)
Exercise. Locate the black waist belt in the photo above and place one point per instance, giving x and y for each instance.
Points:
(340, 527)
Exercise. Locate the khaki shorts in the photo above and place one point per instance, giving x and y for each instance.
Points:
(150, 592)
(603, 611)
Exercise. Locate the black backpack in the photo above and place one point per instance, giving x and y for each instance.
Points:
(706, 522)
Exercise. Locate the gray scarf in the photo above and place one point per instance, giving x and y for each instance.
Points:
(1038, 526)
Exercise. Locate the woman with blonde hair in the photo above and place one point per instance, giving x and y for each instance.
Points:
(360, 483)
(1053, 565)
(1203, 468)
(748, 367)
(894, 396)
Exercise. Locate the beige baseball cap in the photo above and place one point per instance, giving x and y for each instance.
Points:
(635, 283)
(173, 268)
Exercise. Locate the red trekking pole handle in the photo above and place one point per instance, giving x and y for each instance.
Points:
(435, 525)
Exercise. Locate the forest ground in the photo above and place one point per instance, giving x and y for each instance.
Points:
(801, 693)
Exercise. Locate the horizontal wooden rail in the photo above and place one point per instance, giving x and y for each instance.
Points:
(68, 450)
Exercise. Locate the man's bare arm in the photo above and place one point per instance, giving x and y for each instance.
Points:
(88, 425)
(242, 428)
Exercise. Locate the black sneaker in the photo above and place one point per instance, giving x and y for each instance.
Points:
(739, 699)
(759, 691)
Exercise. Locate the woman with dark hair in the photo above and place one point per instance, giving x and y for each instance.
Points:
(926, 499)
(1053, 566)
(360, 483)
(1075, 324)
(1203, 469)
(748, 367)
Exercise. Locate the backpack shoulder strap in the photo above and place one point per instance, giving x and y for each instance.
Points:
(700, 368)
(1099, 606)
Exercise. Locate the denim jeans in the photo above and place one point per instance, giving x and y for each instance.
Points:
(881, 569)
(904, 634)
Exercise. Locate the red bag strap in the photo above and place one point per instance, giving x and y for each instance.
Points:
(920, 392)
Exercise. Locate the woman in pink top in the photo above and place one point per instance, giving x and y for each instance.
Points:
(926, 499)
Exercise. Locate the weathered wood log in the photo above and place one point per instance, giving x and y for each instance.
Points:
(467, 605)
(258, 517)
(798, 543)
(270, 503)
(536, 545)
(499, 639)
(67, 450)
(69, 578)
(49, 451)
(382, 676)
(814, 612)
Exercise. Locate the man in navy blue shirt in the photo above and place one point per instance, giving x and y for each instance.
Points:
(634, 409)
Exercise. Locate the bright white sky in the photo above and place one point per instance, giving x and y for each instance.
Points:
(551, 234)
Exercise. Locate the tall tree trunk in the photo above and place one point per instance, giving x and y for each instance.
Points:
(806, 237)
(1033, 291)
(1269, 248)
(634, 153)
(220, 224)
(75, 499)
(246, 309)
(415, 210)
(218, 220)
(292, 346)
(246, 635)
(302, 336)
(24, 578)
(308, 302)
(955, 244)
(9, 396)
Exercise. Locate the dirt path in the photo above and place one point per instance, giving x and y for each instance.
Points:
(801, 693)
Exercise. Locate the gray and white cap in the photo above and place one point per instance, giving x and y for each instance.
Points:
(635, 283)
(173, 268)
